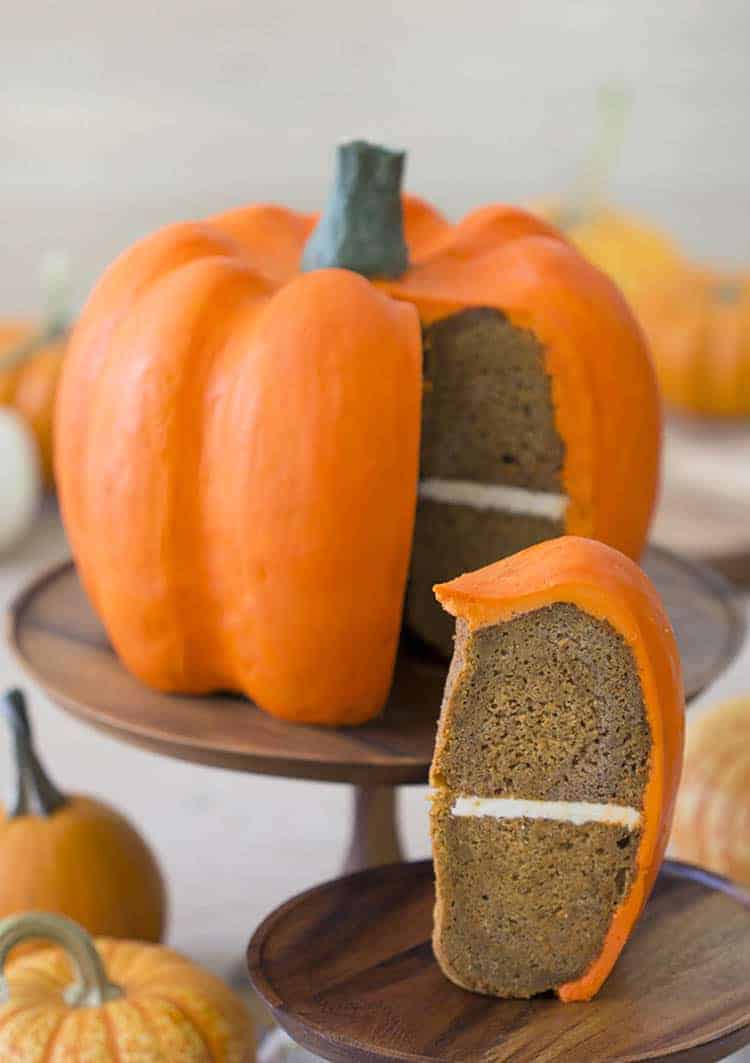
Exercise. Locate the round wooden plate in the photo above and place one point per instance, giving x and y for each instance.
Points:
(62, 645)
(348, 971)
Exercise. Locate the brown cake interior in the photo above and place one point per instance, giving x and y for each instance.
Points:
(547, 706)
(487, 419)
(452, 539)
(526, 903)
(544, 707)
(487, 413)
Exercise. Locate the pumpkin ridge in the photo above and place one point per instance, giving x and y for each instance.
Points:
(26, 1015)
(191, 1020)
(168, 375)
(111, 1034)
(711, 788)
(148, 1024)
(11, 1012)
(120, 288)
(338, 431)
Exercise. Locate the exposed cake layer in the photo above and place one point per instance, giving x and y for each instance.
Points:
(501, 498)
(524, 904)
(450, 539)
(547, 706)
(576, 812)
(488, 415)
(487, 421)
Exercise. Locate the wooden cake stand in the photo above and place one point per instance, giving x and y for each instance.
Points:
(61, 644)
(348, 971)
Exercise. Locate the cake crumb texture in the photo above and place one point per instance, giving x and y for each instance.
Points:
(487, 418)
(450, 539)
(487, 414)
(524, 905)
(547, 706)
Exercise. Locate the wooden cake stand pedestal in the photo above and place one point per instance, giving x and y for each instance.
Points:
(348, 971)
(61, 644)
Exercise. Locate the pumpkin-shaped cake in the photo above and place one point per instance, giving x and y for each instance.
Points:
(555, 771)
(238, 444)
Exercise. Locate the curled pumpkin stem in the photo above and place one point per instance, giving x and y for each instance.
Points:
(32, 791)
(92, 987)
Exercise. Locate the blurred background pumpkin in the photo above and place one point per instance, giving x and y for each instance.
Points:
(712, 817)
(699, 326)
(633, 251)
(697, 319)
(31, 358)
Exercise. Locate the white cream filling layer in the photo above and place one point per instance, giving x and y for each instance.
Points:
(577, 812)
(499, 497)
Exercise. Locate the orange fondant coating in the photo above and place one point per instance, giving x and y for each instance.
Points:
(606, 584)
(201, 348)
(606, 399)
(238, 469)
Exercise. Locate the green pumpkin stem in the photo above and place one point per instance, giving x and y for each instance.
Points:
(590, 189)
(92, 988)
(362, 226)
(32, 792)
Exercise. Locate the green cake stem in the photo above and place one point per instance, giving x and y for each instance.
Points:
(362, 227)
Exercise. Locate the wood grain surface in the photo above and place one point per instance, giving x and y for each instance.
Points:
(62, 645)
(348, 971)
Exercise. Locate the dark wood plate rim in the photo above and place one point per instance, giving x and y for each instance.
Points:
(403, 768)
(391, 769)
(316, 1038)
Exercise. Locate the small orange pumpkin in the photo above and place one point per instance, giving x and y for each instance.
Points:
(30, 367)
(712, 818)
(238, 444)
(72, 854)
(128, 1002)
(699, 326)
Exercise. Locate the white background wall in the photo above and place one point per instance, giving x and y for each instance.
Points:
(120, 116)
